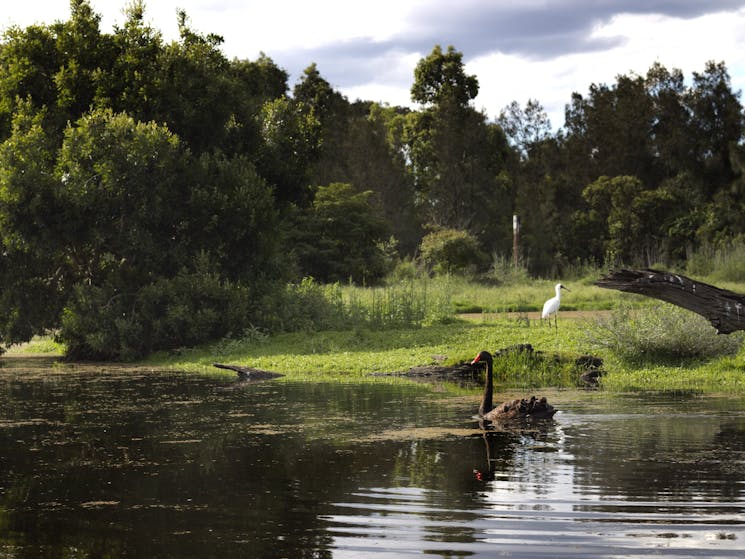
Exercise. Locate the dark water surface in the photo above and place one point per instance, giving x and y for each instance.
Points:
(115, 463)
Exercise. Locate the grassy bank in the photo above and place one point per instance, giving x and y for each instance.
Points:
(357, 353)
(391, 329)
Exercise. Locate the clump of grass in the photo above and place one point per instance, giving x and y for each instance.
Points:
(720, 264)
(38, 345)
(504, 271)
(660, 333)
(404, 304)
(530, 370)
(311, 307)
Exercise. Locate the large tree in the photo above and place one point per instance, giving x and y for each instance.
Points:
(457, 158)
(676, 140)
(120, 212)
(31, 272)
(341, 237)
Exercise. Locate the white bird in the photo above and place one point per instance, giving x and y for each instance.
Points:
(551, 307)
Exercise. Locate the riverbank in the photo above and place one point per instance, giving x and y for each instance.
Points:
(362, 354)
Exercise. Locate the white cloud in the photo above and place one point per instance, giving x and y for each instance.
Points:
(370, 53)
(674, 43)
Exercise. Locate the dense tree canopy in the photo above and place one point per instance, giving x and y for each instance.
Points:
(155, 194)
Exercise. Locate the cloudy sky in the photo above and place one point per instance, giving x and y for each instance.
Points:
(518, 49)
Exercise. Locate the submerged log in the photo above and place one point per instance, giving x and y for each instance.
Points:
(248, 373)
(724, 309)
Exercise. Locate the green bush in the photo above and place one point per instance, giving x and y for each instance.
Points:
(449, 251)
(189, 309)
(504, 271)
(342, 236)
(305, 306)
(661, 333)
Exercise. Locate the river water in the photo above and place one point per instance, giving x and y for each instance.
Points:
(114, 463)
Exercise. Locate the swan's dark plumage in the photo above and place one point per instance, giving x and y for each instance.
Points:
(520, 408)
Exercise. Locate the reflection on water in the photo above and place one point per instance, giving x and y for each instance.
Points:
(121, 463)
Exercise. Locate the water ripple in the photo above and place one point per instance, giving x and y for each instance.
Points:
(396, 523)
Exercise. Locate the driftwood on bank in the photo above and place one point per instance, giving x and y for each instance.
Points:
(589, 368)
(461, 371)
(724, 309)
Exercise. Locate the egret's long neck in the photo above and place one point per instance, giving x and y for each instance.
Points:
(486, 400)
(558, 293)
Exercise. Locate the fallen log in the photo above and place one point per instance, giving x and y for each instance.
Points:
(248, 373)
(724, 309)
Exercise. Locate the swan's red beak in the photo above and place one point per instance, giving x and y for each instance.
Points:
(476, 359)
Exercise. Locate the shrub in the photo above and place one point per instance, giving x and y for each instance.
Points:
(503, 271)
(660, 333)
(406, 269)
(342, 236)
(451, 251)
(189, 309)
(304, 306)
(311, 306)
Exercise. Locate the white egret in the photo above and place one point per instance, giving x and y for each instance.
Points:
(551, 307)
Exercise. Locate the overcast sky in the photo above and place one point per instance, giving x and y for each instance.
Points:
(518, 49)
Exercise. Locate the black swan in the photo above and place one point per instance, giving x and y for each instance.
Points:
(532, 408)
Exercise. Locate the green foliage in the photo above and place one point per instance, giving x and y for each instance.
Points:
(311, 306)
(525, 127)
(504, 271)
(440, 76)
(406, 269)
(30, 218)
(449, 251)
(635, 216)
(660, 333)
(534, 369)
(359, 351)
(188, 309)
(112, 225)
(291, 142)
(341, 237)
(125, 161)
(120, 202)
(457, 158)
(39, 345)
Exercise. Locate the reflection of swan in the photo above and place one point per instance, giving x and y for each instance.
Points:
(500, 444)
(488, 474)
(515, 409)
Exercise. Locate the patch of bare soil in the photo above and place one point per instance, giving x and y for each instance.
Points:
(534, 315)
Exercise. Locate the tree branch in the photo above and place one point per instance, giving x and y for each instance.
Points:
(724, 309)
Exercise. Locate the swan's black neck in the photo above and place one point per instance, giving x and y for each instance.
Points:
(486, 401)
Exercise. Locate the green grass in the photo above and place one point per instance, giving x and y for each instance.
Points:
(362, 351)
(379, 345)
(39, 345)
(357, 352)
(723, 375)
(469, 296)
(353, 355)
